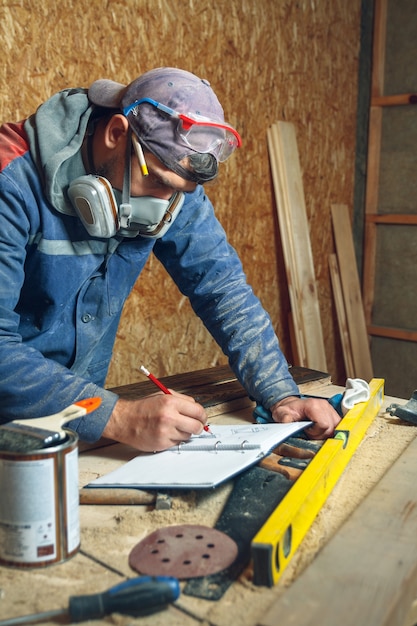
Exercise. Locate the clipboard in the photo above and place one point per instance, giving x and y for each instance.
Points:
(204, 461)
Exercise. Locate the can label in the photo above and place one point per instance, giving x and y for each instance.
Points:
(39, 505)
(28, 532)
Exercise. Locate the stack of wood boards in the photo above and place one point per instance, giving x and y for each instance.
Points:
(307, 334)
(292, 217)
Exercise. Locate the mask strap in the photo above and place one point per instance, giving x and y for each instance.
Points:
(90, 156)
(125, 209)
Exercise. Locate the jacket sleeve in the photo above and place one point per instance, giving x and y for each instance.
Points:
(206, 268)
(30, 384)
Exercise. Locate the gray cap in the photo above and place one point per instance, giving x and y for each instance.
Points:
(178, 89)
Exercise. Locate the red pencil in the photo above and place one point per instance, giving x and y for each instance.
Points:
(154, 379)
(162, 387)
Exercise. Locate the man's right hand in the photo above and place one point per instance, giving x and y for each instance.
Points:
(155, 422)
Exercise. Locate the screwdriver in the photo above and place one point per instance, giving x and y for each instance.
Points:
(135, 597)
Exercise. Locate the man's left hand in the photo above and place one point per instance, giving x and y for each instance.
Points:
(317, 410)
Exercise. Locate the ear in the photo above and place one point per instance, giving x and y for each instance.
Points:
(115, 131)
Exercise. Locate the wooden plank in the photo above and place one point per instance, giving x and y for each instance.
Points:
(297, 335)
(367, 573)
(341, 315)
(298, 258)
(217, 388)
(293, 339)
(359, 340)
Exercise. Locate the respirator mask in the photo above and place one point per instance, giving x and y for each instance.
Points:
(105, 211)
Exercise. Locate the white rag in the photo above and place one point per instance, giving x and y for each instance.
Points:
(357, 390)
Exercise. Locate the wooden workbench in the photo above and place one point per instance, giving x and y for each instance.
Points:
(361, 551)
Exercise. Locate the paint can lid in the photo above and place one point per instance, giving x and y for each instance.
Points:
(23, 439)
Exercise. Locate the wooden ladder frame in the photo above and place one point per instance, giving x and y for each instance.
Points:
(372, 218)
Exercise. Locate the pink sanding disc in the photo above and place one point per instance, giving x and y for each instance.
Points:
(183, 551)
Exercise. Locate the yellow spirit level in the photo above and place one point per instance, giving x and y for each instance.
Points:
(276, 542)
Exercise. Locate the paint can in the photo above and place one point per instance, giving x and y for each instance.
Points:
(39, 497)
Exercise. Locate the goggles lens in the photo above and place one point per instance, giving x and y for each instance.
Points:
(199, 133)
(205, 136)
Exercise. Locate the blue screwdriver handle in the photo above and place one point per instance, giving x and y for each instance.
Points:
(135, 597)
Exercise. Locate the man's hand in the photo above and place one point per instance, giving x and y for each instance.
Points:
(317, 410)
(156, 422)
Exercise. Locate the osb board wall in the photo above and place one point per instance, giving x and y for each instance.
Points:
(267, 60)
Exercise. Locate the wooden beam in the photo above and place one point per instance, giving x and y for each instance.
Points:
(394, 100)
(405, 219)
(359, 340)
(374, 155)
(373, 163)
(293, 223)
(367, 573)
(392, 333)
(378, 52)
(371, 208)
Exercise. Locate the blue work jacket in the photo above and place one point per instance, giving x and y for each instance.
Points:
(62, 293)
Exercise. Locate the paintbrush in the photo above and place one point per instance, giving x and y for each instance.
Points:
(42, 432)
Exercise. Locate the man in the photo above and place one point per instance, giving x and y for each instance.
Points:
(90, 185)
